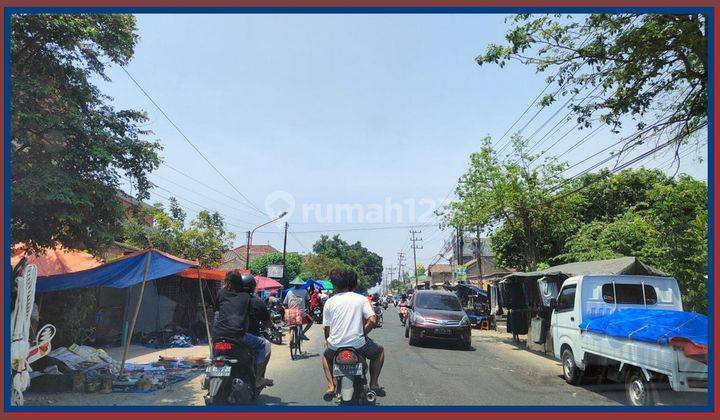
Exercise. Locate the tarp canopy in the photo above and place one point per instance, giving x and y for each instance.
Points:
(266, 283)
(213, 274)
(58, 260)
(120, 273)
(651, 325)
(622, 265)
(470, 289)
(310, 283)
(328, 285)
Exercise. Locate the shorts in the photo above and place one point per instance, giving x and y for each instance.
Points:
(371, 350)
(260, 346)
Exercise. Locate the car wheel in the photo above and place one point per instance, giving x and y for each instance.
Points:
(570, 370)
(638, 389)
(413, 341)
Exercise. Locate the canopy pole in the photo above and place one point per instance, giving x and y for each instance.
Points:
(128, 338)
(207, 323)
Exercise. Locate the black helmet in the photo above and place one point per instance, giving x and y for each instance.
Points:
(241, 282)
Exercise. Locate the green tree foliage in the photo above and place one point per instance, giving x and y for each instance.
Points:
(650, 67)
(204, 238)
(512, 196)
(293, 265)
(319, 266)
(69, 146)
(367, 264)
(667, 228)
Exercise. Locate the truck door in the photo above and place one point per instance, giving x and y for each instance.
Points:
(566, 320)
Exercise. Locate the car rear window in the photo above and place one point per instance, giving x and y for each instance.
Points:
(629, 294)
(438, 301)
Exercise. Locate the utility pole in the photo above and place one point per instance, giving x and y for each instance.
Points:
(391, 271)
(401, 257)
(414, 248)
(284, 247)
(460, 246)
(478, 254)
(247, 252)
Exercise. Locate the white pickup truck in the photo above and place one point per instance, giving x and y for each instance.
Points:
(642, 365)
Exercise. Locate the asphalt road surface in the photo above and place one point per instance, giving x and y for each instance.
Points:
(493, 372)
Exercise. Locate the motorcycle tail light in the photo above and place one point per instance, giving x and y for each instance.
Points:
(346, 357)
(219, 363)
(222, 347)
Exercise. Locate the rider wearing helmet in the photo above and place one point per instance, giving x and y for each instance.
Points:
(236, 305)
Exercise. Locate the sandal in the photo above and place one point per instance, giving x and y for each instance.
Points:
(328, 396)
(380, 392)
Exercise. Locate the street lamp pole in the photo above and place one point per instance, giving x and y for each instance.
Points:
(250, 235)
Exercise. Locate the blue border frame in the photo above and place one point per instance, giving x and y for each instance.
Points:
(708, 11)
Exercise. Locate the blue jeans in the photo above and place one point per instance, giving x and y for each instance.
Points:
(259, 345)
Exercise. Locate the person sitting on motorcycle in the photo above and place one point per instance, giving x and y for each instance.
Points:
(298, 299)
(347, 319)
(314, 299)
(237, 306)
(403, 305)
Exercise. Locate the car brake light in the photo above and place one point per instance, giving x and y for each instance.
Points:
(346, 357)
(222, 347)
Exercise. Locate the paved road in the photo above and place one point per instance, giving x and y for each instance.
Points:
(494, 372)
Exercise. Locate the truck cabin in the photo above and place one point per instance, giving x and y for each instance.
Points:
(605, 294)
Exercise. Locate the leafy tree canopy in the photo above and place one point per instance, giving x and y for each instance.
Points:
(204, 238)
(367, 264)
(319, 266)
(651, 68)
(293, 265)
(69, 146)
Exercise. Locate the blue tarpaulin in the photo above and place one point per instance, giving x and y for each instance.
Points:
(651, 325)
(309, 283)
(120, 273)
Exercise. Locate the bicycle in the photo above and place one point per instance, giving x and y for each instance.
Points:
(295, 341)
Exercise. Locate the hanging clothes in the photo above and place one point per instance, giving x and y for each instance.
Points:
(548, 290)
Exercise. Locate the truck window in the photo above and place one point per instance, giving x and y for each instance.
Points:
(629, 294)
(566, 299)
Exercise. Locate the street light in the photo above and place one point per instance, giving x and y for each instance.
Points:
(250, 235)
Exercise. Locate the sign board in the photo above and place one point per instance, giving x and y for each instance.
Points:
(275, 271)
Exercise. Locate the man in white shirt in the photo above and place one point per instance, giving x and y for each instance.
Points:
(348, 318)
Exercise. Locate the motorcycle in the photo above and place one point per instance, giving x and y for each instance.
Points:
(379, 315)
(230, 379)
(317, 315)
(349, 373)
(276, 328)
(403, 314)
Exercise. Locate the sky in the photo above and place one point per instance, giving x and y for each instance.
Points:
(359, 125)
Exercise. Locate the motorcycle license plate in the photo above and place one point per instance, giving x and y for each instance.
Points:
(214, 371)
(347, 370)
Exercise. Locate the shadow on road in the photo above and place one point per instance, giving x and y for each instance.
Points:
(443, 346)
(272, 400)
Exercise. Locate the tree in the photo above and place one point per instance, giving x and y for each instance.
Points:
(204, 239)
(319, 266)
(668, 230)
(650, 68)
(68, 145)
(367, 264)
(512, 197)
(293, 265)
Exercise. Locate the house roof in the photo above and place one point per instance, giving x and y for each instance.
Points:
(235, 258)
(440, 268)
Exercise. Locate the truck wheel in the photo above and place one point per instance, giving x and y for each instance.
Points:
(570, 369)
(638, 389)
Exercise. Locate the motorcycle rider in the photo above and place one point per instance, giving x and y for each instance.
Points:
(237, 305)
(347, 319)
(402, 304)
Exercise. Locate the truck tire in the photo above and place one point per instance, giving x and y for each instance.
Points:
(638, 390)
(571, 373)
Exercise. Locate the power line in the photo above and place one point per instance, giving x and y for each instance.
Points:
(190, 142)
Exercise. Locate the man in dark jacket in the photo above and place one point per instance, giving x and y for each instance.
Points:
(236, 308)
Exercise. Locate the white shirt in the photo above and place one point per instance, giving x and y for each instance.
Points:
(297, 298)
(345, 313)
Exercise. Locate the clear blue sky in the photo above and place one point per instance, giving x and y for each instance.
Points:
(332, 109)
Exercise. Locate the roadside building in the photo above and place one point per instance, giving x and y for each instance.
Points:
(234, 259)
